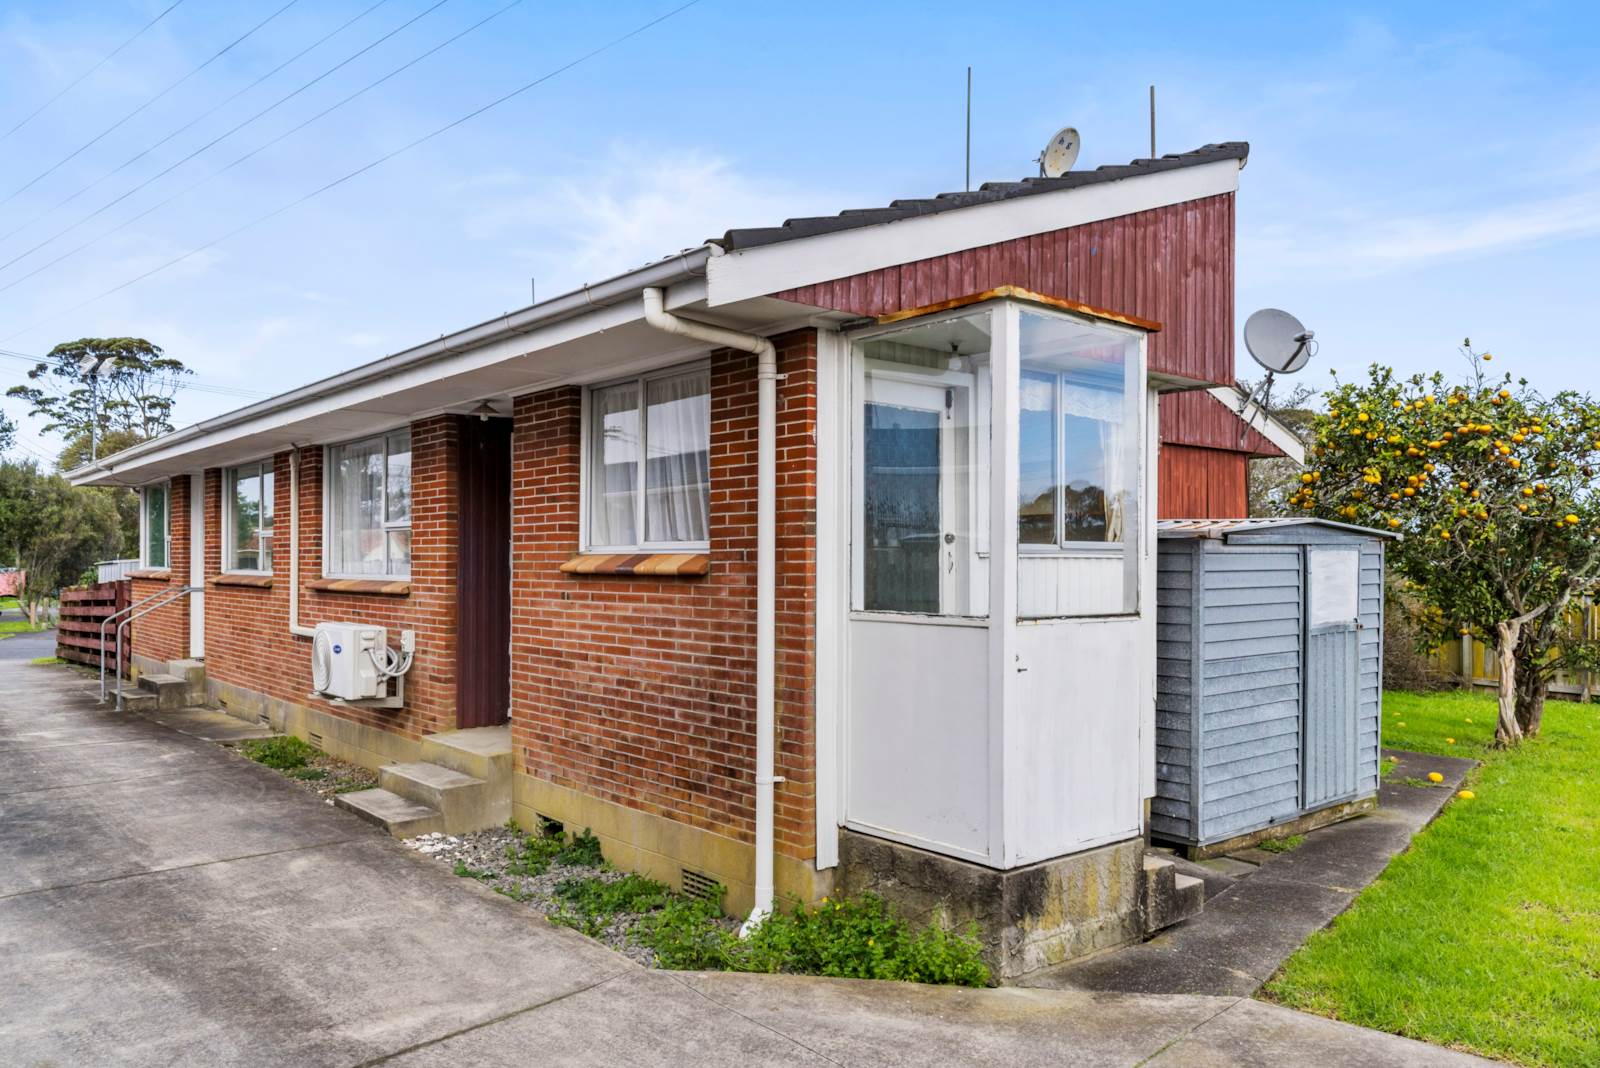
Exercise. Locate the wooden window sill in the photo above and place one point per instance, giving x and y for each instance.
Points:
(661, 565)
(376, 587)
(154, 574)
(256, 582)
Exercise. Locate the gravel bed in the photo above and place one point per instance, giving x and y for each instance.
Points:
(485, 852)
(338, 776)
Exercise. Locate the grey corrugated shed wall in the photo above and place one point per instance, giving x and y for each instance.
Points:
(1231, 679)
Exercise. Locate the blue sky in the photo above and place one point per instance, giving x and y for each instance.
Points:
(1415, 176)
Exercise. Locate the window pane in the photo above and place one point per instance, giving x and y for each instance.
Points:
(155, 511)
(1095, 446)
(245, 518)
(398, 496)
(614, 465)
(922, 430)
(678, 444)
(264, 535)
(355, 502)
(1036, 469)
(399, 552)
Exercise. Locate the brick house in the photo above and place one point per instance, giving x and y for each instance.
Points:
(815, 556)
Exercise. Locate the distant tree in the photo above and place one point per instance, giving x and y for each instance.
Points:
(52, 529)
(1273, 480)
(8, 433)
(131, 401)
(1493, 487)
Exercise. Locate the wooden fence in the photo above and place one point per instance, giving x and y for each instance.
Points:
(83, 608)
(1469, 658)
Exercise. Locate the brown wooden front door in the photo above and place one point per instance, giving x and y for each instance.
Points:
(483, 574)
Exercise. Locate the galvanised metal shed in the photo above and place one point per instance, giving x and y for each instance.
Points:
(1269, 676)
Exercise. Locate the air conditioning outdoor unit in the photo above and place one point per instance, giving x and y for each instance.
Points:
(343, 664)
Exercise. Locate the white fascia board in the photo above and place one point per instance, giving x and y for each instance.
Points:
(767, 269)
(370, 393)
(1258, 418)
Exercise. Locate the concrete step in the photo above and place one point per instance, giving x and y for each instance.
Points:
(135, 699)
(194, 673)
(399, 816)
(482, 752)
(172, 691)
(467, 803)
(1169, 896)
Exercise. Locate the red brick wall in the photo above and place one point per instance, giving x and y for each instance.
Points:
(641, 691)
(164, 633)
(247, 638)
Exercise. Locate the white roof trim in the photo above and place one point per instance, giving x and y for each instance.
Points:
(1259, 419)
(767, 269)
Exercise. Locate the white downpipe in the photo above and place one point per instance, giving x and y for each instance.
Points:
(656, 315)
(294, 547)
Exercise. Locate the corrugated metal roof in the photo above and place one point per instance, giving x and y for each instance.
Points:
(1223, 528)
(988, 193)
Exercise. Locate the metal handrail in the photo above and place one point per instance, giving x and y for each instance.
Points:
(170, 596)
(108, 619)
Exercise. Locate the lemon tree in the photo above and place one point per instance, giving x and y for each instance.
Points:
(1491, 486)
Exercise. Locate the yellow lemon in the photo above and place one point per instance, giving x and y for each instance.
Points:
(1466, 795)
(1434, 776)
(1399, 724)
(1449, 741)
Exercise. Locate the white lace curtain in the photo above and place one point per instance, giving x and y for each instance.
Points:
(678, 465)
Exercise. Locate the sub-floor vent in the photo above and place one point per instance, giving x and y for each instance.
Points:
(698, 884)
(314, 738)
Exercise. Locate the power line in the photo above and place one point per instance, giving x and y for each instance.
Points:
(254, 151)
(215, 56)
(469, 116)
(186, 126)
(79, 79)
(181, 383)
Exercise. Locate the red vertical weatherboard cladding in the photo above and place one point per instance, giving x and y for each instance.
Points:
(247, 637)
(641, 691)
(1200, 483)
(1173, 265)
(164, 633)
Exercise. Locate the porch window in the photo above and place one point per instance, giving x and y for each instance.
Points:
(922, 469)
(648, 463)
(247, 520)
(1079, 425)
(368, 508)
(154, 527)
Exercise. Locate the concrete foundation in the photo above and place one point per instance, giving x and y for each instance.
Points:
(353, 742)
(1028, 918)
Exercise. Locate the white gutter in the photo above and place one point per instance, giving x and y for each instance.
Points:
(294, 547)
(688, 264)
(656, 315)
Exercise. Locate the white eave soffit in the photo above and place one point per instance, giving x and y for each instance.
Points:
(767, 269)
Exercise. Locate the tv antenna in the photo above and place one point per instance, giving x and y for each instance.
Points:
(1060, 154)
(1282, 345)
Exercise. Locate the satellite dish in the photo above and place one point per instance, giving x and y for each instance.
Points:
(1278, 341)
(1060, 154)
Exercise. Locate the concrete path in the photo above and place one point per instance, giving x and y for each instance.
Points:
(163, 901)
(1251, 927)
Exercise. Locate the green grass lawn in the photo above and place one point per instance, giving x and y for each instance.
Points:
(8, 627)
(1485, 934)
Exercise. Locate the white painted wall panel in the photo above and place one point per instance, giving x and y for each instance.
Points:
(1074, 759)
(918, 736)
(1068, 586)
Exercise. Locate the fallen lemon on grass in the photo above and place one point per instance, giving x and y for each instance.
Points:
(1434, 776)
(1399, 724)
(1449, 741)
(1466, 795)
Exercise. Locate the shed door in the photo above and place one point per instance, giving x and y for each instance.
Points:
(1330, 734)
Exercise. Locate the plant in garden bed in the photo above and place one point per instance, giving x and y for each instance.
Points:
(285, 754)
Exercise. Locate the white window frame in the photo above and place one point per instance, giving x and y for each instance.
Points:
(144, 526)
(586, 463)
(229, 547)
(381, 437)
(1133, 368)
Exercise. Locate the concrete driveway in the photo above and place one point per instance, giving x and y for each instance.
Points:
(165, 902)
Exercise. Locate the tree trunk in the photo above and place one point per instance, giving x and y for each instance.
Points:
(33, 611)
(1507, 731)
(1533, 685)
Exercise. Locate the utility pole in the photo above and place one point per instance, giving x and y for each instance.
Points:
(969, 129)
(91, 366)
